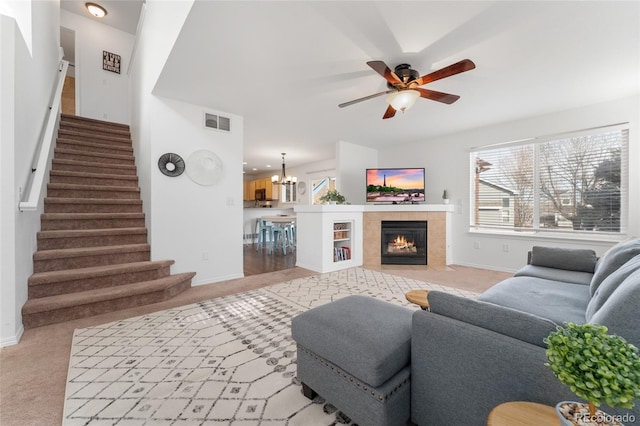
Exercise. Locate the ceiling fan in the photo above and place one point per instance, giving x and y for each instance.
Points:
(403, 84)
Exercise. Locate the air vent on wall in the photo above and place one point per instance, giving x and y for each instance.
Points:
(217, 122)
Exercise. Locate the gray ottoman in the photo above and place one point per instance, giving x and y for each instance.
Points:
(356, 352)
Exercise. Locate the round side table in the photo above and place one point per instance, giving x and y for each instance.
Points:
(521, 413)
(419, 297)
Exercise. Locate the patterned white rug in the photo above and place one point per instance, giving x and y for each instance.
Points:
(225, 361)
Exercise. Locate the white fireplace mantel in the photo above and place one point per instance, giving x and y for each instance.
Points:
(315, 232)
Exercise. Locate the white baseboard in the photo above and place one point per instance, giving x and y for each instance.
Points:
(216, 279)
(12, 340)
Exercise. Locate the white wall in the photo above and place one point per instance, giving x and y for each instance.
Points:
(8, 302)
(100, 94)
(352, 161)
(27, 75)
(446, 160)
(207, 238)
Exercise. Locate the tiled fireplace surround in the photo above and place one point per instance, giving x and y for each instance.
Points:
(436, 235)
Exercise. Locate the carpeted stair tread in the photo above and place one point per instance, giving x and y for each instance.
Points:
(96, 155)
(92, 121)
(94, 137)
(64, 176)
(62, 233)
(59, 221)
(41, 278)
(92, 187)
(70, 238)
(113, 167)
(98, 189)
(58, 200)
(44, 304)
(81, 126)
(89, 251)
(86, 216)
(92, 205)
(116, 148)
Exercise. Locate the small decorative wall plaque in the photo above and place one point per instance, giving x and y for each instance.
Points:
(110, 62)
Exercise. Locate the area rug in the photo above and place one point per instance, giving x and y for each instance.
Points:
(225, 361)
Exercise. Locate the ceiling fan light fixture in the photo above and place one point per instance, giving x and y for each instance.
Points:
(403, 99)
(96, 10)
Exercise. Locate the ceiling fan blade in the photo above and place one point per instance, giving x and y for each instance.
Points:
(382, 69)
(355, 101)
(457, 68)
(390, 112)
(445, 98)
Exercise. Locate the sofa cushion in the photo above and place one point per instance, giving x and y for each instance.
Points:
(582, 260)
(563, 275)
(610, 284)
(620, 313)
(367, 337)
(614, 258)
(509, 322)
(554, 300)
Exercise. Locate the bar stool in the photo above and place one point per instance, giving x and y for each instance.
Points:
(264, 230)
(290, 234)
(280, 237)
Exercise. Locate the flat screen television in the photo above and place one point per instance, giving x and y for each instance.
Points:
(402, 185)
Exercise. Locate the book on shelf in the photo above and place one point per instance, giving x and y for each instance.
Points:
(341, 253)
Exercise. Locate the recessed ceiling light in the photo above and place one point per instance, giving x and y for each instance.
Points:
(96, 10)
(244, 162)
(268, 166)
(254, 169)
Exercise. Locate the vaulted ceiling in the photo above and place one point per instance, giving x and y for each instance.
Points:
(285, 66)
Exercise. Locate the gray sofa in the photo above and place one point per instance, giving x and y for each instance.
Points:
(466, 356)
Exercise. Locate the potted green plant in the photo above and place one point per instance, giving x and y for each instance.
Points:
(445, 197)
(333, 197)
(598, 367)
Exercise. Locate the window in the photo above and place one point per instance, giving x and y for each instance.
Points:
(320, 187)
(288, 194)
(574, 184)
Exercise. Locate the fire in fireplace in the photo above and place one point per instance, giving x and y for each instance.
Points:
(403, 242)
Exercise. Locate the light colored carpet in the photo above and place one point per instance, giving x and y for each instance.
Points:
(225, 361)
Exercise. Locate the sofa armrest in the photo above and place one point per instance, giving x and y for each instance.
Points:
(460, 371)
(507, 321)
(582, 260)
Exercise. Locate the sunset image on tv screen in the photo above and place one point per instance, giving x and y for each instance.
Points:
(395, 185)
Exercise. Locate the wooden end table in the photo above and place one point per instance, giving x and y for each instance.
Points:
(521, 413)
(419, 297)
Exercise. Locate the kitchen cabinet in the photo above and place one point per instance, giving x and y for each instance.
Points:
(272, 192)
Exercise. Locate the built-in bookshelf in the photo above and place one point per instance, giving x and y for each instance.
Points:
(342, 241)
(332, 236)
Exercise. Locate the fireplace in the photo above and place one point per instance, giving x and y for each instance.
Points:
(403, 242)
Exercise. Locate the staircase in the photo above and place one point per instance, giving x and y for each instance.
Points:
(93, 255)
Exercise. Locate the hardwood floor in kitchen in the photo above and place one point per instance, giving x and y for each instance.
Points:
(260, 261)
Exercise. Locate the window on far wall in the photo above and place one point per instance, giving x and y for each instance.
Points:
(572, 184)
(320, 187)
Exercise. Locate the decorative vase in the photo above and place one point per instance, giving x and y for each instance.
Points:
(445, 201)
(581, 410)
(333, 202)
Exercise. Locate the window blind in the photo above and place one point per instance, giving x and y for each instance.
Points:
(572, 183)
